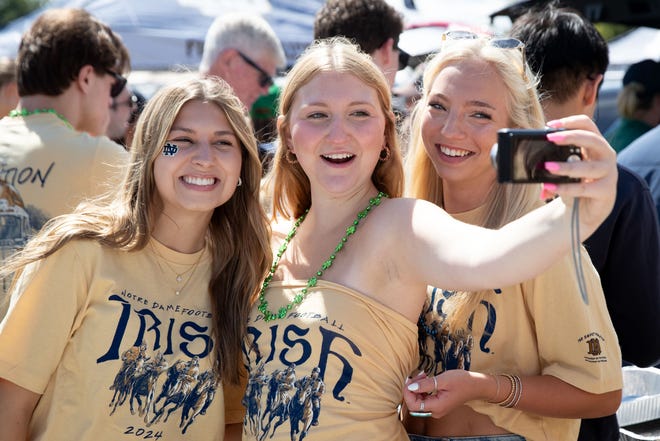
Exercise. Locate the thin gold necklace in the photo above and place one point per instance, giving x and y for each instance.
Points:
(179, 276)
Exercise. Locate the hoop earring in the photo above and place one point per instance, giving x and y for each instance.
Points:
(384, 157)
(290, 157)
(240, 182)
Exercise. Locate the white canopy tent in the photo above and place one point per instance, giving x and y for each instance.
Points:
(169, 34)
(165, 34)
(638, 44)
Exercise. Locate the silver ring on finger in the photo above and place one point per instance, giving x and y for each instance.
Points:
(435, 386)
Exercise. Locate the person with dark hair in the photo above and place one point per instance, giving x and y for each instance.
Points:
(571, 57)
(638, 104)
(122, 109)
(135, 305)
(70, 67)
(374, 25)
(8, 86)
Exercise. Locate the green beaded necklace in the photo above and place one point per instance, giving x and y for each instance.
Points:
(24, 112)
(281, 313)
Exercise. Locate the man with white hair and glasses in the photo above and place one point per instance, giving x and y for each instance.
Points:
(244, 51)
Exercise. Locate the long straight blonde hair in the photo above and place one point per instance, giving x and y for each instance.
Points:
(506, 202)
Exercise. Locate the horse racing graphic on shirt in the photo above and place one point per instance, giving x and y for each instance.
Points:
(271, 400)
(441, 350)
(156, 389)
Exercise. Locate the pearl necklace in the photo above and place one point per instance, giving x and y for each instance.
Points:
(24, 112)
(281, 313)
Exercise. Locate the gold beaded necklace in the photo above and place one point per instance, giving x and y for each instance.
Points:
(281, 313)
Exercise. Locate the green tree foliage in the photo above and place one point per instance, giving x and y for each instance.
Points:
(13, 9)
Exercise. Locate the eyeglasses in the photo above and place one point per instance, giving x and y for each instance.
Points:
(500, 43)
(130, 102)
(119, 83)
(265, 79)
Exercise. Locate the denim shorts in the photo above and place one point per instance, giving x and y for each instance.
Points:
(467, 438)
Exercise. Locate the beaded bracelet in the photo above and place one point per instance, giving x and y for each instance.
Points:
(513, 398)
(516, 391)
(512, 394)
(515, 402)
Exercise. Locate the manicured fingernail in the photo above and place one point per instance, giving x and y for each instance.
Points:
(554, 123)
(549, 187)
(555, 136)
(551, 166)
(413, 387)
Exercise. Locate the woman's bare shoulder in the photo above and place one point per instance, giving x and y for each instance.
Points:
(406, 209)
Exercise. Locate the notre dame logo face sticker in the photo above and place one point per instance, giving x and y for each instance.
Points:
(170, 149)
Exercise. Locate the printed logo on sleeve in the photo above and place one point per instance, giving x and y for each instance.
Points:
(593, 346)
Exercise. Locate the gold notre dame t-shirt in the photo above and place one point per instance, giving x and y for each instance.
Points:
(333, 369)
(53, 167)
(114, 351)
(46, 169)
(541, 326)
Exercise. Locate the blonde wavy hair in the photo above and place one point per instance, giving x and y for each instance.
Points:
(238, 235)
(290, 187)
(634, 100)
(506, 202)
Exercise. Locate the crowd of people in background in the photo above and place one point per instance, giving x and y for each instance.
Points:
(246, 256)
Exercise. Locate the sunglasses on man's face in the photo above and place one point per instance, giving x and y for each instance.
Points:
(265, 79)
(131, 102)
(119, 84)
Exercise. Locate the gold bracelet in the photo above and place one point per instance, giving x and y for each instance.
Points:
(519, 395)
(512, 394)
(516, 392)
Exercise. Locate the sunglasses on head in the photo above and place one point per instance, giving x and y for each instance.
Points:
(498, 42)
(265, 79)
(502, 43)
(119, 84)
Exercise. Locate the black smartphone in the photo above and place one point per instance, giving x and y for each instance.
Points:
(520, 154)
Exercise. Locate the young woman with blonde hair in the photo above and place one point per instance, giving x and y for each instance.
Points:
(511, 362)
